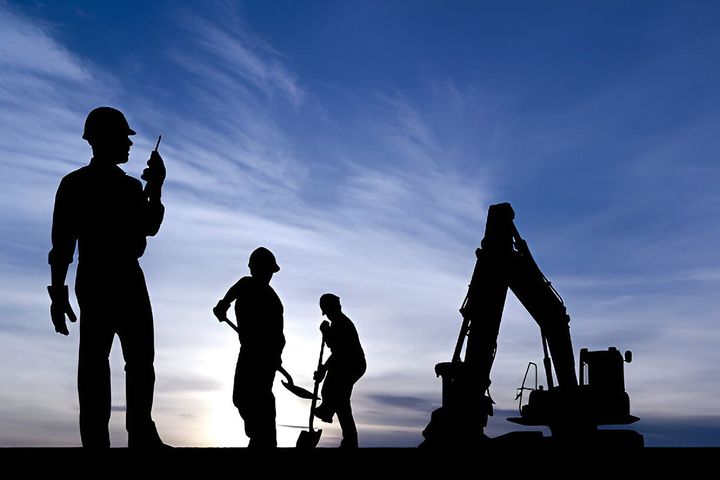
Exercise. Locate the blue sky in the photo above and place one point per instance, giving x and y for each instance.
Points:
(362, 142)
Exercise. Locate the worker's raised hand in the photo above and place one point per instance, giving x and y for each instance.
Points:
(60, 307)
(155, 171)
(154, 174)
(320, 373)
(324, 326)
(220, 310)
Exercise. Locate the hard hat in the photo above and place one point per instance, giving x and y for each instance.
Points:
(263, 258)
(329, 301)
(104, 122)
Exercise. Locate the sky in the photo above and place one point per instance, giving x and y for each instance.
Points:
(362, 142)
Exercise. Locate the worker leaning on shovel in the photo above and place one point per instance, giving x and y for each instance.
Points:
(341, 371)
(259, 315)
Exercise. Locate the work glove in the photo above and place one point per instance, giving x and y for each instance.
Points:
(320, 373)
(154, 174)
(221, 309)
(59, 307)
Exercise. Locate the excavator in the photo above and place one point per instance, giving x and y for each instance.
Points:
(572, 409)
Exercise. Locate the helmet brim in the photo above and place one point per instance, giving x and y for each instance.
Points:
(130, 131)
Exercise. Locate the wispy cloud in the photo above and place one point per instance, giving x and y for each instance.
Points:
(28, 47)
(233, 55)
(401, 401)
(228, 147)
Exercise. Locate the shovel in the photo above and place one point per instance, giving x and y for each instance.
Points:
(289, 384)
(309, 438)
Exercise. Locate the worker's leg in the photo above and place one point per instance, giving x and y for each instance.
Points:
(135, 330)
(242, 393)
(263, 408)
(330, 394)
(347, 422)
(96, 337)
(253, 397)
(344, 408)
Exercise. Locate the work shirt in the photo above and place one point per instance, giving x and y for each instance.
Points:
(343, 340)
(106, 213)
(259, 314)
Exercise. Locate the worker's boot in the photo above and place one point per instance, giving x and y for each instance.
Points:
(146, 438)
(324, 413)
(350, 442)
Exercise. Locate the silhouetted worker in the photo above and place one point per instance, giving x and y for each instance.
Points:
(108, 214)
(259, 315)
(343, 369)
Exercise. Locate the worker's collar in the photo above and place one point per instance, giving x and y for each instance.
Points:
(106, 166)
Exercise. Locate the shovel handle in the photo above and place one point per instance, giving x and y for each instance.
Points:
(227, 320)
(316, 387)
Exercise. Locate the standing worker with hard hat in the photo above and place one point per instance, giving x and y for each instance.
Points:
(259, 315)
(108, 214)
(343, 369)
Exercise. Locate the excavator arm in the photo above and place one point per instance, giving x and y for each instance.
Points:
(504, 261)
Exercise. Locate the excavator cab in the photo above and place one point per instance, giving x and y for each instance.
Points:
(599, 399)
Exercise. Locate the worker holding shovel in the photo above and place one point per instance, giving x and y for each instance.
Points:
(259, 315)
(341, 371)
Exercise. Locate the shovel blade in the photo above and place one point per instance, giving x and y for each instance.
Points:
(299, 391)
(308, 439)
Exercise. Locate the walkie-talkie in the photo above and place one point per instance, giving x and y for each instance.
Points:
(157, 145)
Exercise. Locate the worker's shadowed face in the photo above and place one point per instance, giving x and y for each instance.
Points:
(112, 148)
(332, 310)
(264, 275)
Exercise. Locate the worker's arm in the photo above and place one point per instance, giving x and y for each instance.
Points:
(278, 343)
(321, 371)
(329, 334)
(223, 305)
(154, 216)
(269, 331)
(64, 238)
(154, 209)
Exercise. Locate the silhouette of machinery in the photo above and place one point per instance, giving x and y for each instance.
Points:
(573, 410)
